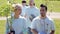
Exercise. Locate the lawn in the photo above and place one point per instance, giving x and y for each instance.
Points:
(57, 24)
(2, 26)
(3, 22)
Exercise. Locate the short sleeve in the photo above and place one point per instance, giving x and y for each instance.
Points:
(26, 12)
(33, 24)
(52, 25)
(25, 25)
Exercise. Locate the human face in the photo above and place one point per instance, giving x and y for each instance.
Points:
(43, 11)
(18, 11)
(24, 4)
(31, 3)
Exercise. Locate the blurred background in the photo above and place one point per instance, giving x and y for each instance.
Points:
(53, 11)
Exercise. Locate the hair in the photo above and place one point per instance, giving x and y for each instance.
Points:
(34, 4)
(23, 1)
(42, 5)
(16, 6)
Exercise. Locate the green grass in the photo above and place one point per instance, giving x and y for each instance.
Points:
(2, 26)
(57, 24)
(3, 22)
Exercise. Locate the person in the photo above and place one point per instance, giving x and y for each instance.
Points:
(31, 12)
(16, 25)
(42, 24)
(23, 7)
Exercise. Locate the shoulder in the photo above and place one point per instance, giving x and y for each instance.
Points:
(28, 7)
(22, 18)
(50, 19)
(36, 8)
(25, 7)
(36, 19)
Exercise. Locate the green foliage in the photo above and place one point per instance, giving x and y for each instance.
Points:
(5, 8)
(54, 0)
(57, 26)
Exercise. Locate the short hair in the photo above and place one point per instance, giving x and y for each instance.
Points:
(34, 4)
(17, 6)
(42, 5)
(23, 1)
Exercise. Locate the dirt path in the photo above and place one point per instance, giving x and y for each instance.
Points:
(50, 14)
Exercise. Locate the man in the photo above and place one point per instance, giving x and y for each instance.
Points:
(23, 7)
(31, 13)
(17, 23)
(42, 24)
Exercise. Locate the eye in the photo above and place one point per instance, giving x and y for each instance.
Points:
(42, 10)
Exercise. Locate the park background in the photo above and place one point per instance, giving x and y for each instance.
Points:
(53, 12)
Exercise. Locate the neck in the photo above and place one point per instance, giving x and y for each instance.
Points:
(31, 6)
(43, 17)
(16, 16)
(23, 5)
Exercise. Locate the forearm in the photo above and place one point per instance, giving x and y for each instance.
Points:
(34, 31)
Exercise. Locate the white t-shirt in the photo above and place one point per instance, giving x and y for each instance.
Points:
(23, 10)
(31, 13)
(43, 25)
(19, 25)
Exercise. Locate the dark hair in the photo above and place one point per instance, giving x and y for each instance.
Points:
(42, 5)
(34, 4)
(23, 1)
